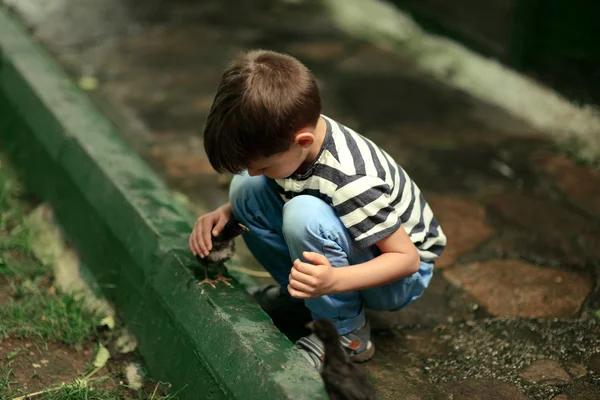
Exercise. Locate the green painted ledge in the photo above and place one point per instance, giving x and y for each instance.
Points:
(132, 233)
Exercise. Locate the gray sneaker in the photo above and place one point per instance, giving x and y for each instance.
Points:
(357, 345)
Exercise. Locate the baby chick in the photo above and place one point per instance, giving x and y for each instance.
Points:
(223, 246)
(343, 379)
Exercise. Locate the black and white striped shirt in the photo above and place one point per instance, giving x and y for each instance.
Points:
(371, 193)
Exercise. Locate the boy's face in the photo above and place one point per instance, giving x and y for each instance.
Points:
(304, 149)
(280, 165)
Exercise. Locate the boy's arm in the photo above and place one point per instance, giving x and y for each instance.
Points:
(398, 260)
(364, 204)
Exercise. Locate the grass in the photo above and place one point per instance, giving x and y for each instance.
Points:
(82, 393)
(60, 317)
(32, 308)
(78, 390)
(82, 390)
(87, 392)
(7, 388)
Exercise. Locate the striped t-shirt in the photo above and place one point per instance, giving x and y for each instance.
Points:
(371, 193)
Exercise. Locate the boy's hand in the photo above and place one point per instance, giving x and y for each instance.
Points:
(206, 226)
(311, 280)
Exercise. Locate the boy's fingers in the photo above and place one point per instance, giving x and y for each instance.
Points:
(197, 240)
(200, 242)
(192, 244)
(207, 236)
(297, 285)
(296, 293)
(196, 237)
(219, 226)
(304, 267)
(301, 277)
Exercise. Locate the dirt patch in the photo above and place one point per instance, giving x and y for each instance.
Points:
(32, 361)
(36, 366)
(31, 366)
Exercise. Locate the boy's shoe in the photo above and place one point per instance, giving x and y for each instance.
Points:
(357, 345)
(279, 305)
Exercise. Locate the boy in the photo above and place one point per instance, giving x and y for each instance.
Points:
(332, 217)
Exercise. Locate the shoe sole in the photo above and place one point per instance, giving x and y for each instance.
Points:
(365, 355)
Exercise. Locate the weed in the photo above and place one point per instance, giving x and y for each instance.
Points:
(60, 317)
(6, 385)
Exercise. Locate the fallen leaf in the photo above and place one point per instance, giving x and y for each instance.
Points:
(79, 384)
(88, 83)
(108, 321)
(36, 365)
(133, 376)
(44, 361)
(182, 198)
(13, 354)
(102, 357)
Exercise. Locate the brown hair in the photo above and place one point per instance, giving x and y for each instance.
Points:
(263, 99)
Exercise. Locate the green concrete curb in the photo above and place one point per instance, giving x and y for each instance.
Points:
(132, 234)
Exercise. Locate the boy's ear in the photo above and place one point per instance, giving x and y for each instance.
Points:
(304, 139)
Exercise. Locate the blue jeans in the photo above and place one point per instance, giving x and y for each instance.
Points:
(279, 233)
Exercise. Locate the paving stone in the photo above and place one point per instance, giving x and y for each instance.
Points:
(398, 382)
(537, 214)
(514, 242)
(594, 363)
(576, 370)
(553, 229)
(578, 183)
(441, 301)
(546, 372)
(424, 343)
(181, 159)
(378, 62)
(515, 288)
(583, 391)
(463, 222)
(319, 50)
(478, 389)
(182, 167)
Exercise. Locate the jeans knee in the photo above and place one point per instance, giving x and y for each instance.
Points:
(243, 190)
(305, 216)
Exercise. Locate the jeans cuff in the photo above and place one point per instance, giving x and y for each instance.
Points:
(351, 324)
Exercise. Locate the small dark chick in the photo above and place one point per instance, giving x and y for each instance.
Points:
(223, 246)
(343, 379)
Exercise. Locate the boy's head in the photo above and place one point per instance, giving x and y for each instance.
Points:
(263, 115)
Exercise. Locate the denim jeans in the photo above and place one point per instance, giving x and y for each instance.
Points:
(279, 233)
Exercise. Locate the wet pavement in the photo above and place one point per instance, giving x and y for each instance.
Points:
(509, 314)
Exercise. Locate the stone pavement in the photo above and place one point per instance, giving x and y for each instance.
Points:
(510, 312)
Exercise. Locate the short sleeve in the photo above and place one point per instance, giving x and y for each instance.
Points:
(364, 204)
